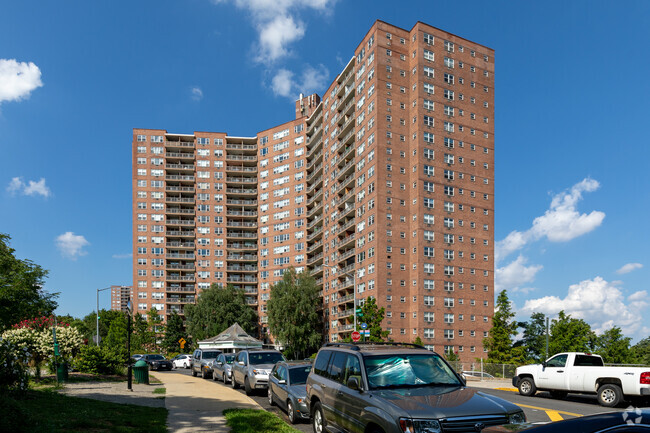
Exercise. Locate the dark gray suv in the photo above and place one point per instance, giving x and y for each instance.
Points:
(396, 388)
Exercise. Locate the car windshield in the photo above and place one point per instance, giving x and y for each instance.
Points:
(298, 375)
(399, 370)
(229, 359)
(155, 357)
(210, 355)
(265, 358)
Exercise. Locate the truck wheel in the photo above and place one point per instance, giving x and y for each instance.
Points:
(609, 395)
(193, 372)
(558, 394)
(318, 422)
(527, 387)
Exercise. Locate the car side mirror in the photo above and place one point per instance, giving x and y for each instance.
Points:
(241, 363)
(219, 363)
(282, 382)
(353, 383)
(463, 379)
(543, 364)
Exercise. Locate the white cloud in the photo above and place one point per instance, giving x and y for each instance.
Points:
(122, 256)
(629, 268)
(71, 245)
(560, 223)
(30, 188)
(598, 302)
(18, 79)
(276, 35)
(513, 275)
(197, 93)
(311, 80)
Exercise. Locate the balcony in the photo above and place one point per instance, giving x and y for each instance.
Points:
(174, 188)
(242, 268)
(181, 233)
(241, 202)
(237, 279)
(179, 211)
(189, 223)
(230, 179)
(242, 246)
(347, 254)
(179, 177)
(232, 146)
(313, 247)
(180, 155)
(176, 266)
(241, 191)
(242, 213)
(173, 244)
(180, 144)
(188, 200)
(242, 257)
(240, 235)
(241, 224)
(313, 234)
(312, 260)
(179, 166)
(183, 278)
(313, 222)
(238, 168)
(241, 158)
(180, 289)
(180, 300)
(180, 256)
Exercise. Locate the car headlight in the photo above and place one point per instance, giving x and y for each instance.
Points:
(419, 425)
(263, 372)
(517, 418)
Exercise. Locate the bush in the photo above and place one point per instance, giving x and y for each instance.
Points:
(13, 416)
(13, 374)
(99, 360)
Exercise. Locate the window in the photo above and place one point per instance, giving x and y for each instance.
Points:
(428, 55)
(428, 72)
(449, 94)
(449, 62)
(449, 78)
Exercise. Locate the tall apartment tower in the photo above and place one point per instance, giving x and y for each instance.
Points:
(120, 297)
(385, 188)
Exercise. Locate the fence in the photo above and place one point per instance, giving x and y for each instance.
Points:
(484, 370)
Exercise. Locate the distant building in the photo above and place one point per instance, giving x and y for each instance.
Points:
(384, 187)
(120, 296)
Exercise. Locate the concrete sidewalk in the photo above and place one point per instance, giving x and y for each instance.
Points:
(502, 384)
(197, 405)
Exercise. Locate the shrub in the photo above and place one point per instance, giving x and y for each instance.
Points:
(13, 360)
(99, 360)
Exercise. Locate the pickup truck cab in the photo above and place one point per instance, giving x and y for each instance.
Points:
(583, 373)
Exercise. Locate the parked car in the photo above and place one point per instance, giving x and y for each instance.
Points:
(157, 362)
(484, 375)
(252, 367)
(182, 361)
(396, 388)
(583, 373)
(200, 362)
(136, 358)
(287, 388)
(222, 367)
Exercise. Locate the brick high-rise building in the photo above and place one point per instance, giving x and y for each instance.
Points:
(120, 297)
(387, 184)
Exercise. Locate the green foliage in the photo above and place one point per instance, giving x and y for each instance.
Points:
(140, 335)
(418, 341)
(156, 327)
(293, 313)
(534, 338)
(570, 335)
(99, 360)
(217, 309)
(641, 351)
(21, 288)
(451, 356)
(174, 332)
(116, 338)
(13, 374)
(255, 421)
(373, 316)
(614, 347)
(504, 328)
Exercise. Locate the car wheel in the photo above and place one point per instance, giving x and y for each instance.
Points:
(223, 377)
(291, 413)
(193, 372)
(558, 394)
(527, 387)
(186, 365)
(215, 376)
(270, 395)
(203, 373)
(233, 382)
(318, 420)
(609, 395)
(247, 386)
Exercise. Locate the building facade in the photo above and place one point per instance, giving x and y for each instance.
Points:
(383, 188)
(120, 297)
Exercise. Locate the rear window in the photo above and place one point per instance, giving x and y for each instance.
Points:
(210, 355)
(156, 357)
(298, 375)
(588, 361)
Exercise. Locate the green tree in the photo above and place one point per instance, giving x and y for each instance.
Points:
(533, 341)
(21, 288)
(217, 309)
(504, 328)
(418, 341)
(89, 326)
(614, 347)
(641, 351)
(156, 327)
(372, 315)
(116, 338)
(293, 313)
(570, 335)
(175, 330)
(140, 335)
(451, 356)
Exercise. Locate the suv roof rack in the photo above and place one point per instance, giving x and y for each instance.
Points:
(356, 346)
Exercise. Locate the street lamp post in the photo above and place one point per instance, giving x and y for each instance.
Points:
(97, 334)
(354, 290)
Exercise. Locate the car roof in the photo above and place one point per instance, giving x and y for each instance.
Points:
(379, 348)
(294, 364)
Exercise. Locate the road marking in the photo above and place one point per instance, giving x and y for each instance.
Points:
(554, 415)
(508, 389)
(554, 412)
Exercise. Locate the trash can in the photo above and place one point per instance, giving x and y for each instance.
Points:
(62, 372)
(141, 372)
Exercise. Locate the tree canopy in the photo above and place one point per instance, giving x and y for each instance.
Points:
(174, 331)
(21, 288)
(216, 309)
(504, 329)
(372, 316)
(293, 312)
(570, 335)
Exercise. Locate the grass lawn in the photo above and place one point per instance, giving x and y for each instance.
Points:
(256, 421)
(45, 410)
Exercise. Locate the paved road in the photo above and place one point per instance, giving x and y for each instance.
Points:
(539, 409)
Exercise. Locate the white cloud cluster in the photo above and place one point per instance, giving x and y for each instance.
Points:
(17, 186)
(311, 80)
(560, 223)
(625, 269)
(196, 93)
(18, 79)
(598, 302)
(71, 245)
(515, 274)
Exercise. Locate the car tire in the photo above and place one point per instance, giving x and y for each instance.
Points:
(558, 394)
(203, 373)
(609, 395)
(527, 387)
(186, 365)
(318, 419)
(193, 372)
(215, 376)
(224, 379)
(291, 413)
(247, 386)
(270, 395)
(233, 382)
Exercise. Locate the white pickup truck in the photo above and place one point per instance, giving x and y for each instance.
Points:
(583, 373)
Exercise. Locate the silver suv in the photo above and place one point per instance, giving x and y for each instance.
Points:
(201, 362)
(396, 388)
(252, 368)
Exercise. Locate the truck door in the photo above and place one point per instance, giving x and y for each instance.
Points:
(555, 374)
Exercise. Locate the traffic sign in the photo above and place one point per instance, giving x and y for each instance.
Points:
(182, 342)
(356, 336)
(364, 325)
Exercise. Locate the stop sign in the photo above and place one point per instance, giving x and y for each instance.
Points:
(356, 336)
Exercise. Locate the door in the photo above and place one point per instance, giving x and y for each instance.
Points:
(555, 375)
(333, 407)
(352, 400)
(281, 388)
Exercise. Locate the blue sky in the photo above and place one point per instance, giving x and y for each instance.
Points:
(571, 153)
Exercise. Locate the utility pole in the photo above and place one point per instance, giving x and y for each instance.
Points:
(97, 334)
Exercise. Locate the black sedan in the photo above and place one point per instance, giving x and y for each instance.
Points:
(288, 389)
(157, 362)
